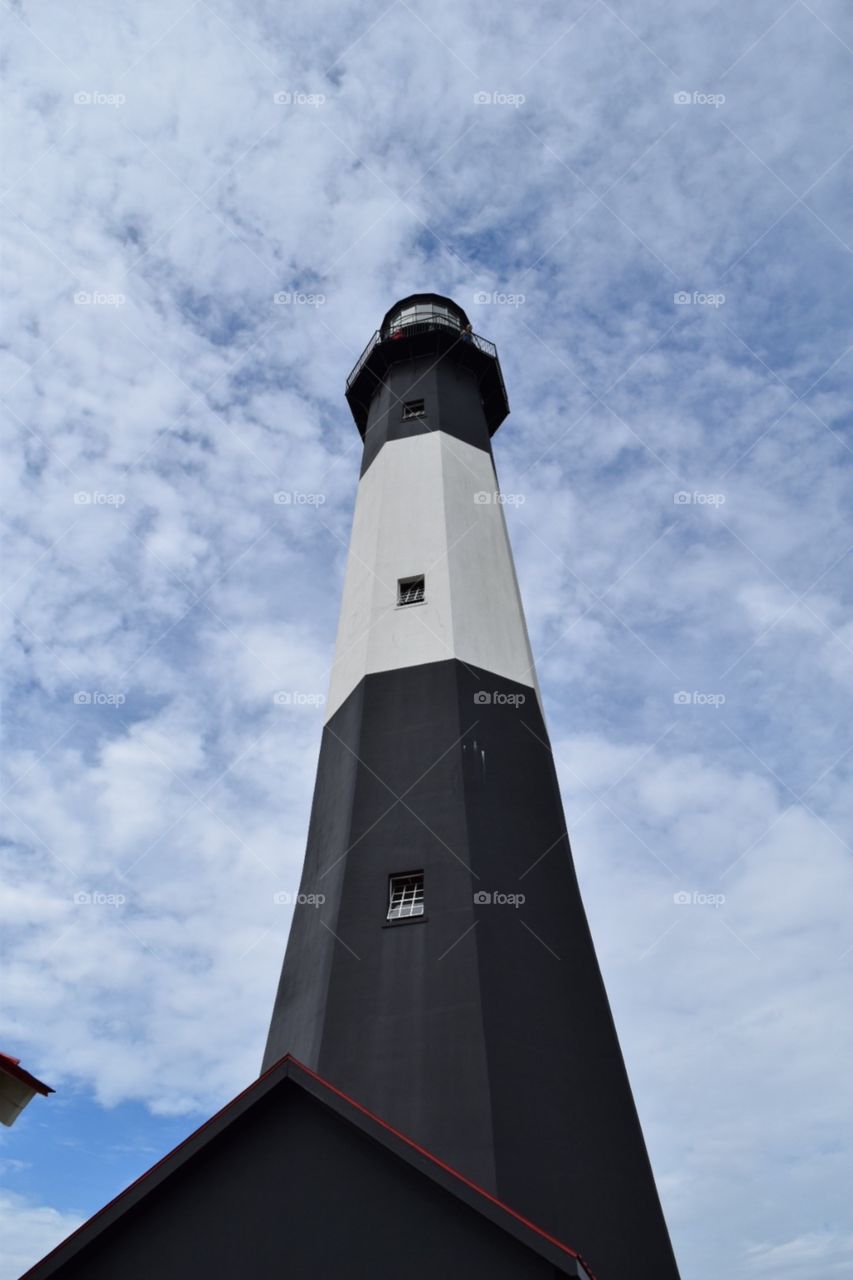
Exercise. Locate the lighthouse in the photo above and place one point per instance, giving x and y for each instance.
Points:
(448, 979)
(442, 1092)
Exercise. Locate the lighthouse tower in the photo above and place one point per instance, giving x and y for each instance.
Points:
(448, 981)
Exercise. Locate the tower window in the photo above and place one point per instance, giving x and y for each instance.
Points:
(410, 590)
(413, 409)
(406, 896)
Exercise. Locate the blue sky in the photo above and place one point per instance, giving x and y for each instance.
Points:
(682, 528)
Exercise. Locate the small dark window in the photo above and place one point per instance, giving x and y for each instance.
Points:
(410, 590)
(406, 896)
(414, 409)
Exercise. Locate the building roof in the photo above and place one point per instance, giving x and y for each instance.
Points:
(285, 1073)
(12, 1067)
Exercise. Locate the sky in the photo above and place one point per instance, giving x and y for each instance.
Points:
(207, 212)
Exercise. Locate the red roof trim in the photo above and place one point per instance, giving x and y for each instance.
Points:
(12, 1068)
(531, 1226)
(357, 1106)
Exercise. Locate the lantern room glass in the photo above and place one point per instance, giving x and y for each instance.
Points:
(424, 315)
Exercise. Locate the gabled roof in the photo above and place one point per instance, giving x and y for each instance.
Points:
(12, 1067)
(565, 1259)
(17, 1089)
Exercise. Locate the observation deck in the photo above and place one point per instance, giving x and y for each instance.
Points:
(427, 324)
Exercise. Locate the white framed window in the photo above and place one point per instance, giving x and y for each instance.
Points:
(411, 590)
(413, 409)
(406, 896)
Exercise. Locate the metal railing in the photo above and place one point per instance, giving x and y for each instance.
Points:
(404, 331)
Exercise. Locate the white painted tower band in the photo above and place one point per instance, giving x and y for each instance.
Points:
(429, 504)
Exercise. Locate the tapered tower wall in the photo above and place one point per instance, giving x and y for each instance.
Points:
(480, 1028)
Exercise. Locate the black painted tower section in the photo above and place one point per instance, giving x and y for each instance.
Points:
(481, 1029)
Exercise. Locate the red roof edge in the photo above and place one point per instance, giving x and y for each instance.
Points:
(487, 1195)
(12, 1068)
(357, 1106)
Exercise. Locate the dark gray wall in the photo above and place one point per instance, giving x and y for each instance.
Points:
(482, 1032)
(451, 398)
(292, 1190)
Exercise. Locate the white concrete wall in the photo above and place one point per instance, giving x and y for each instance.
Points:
(416, 513)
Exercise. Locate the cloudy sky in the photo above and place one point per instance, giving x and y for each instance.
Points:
(654, 202)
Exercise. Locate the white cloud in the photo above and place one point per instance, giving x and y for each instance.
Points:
(29, 1230)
